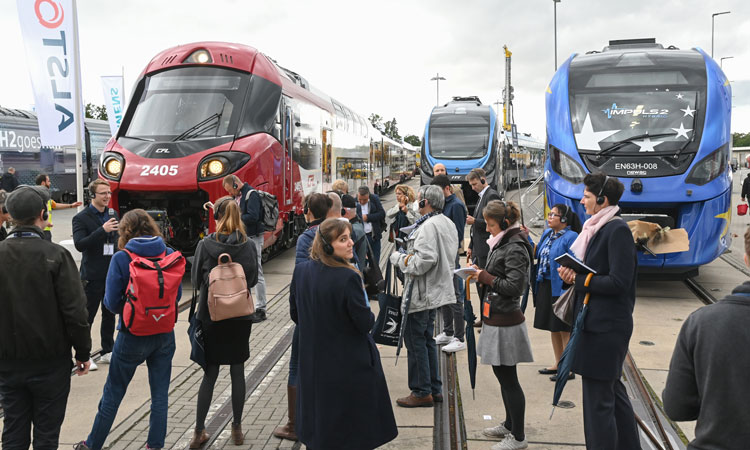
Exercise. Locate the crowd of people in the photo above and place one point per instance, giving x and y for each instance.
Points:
(337, 393)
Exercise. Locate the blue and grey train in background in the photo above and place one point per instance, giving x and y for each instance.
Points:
(659, 120)
(21, 147)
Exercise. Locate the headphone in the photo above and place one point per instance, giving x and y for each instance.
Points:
(599, 197)
(564, 217)
(423, 203)
(327, 247)
(484, 181)
(234, 182)
(505, 223)
(217, 208)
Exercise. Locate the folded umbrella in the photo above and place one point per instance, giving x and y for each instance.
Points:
(406, 302)
(471, 343)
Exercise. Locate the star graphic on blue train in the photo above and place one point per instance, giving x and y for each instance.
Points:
(588, 138)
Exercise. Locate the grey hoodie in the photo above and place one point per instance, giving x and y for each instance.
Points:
(207, 256)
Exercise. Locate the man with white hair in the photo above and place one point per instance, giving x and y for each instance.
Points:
(428, 263)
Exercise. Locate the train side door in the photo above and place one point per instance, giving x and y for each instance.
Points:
(287, 172)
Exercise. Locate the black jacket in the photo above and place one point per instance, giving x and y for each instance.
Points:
(707, 377)
(609, 321)
(206, 258)
(479, 233)
(8, 182)
(745, 188)
(251, 209)
(376, 216)
(42, 305)
(89, 238)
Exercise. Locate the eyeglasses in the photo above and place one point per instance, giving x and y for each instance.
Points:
(553, 215)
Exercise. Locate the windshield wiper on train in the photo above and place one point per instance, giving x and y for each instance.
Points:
(201, 127)
(480, 151)
(619, 144)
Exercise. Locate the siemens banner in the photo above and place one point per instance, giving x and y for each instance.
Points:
(114, 101)
(50, 37)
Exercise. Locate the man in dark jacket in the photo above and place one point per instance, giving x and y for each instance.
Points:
(371, 211)
(746, 188)
(42, 314)
(251, 208)
(478, 248)
(707, 378)
(9, 181)
(453, 315)
(95, 236)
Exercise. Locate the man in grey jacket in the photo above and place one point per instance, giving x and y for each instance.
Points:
(428, 264)
(707, 378)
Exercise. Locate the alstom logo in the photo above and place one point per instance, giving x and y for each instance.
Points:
(58, 15)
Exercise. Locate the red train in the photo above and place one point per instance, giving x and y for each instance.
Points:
(202, 111)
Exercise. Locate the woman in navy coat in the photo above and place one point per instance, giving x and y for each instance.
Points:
(606, 245)
(343, 400)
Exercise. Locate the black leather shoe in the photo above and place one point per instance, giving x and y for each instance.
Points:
(437, 398)
(571, 376)
(258, 316)
(547, 371)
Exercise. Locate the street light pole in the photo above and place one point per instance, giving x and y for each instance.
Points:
(555, 3)
(721, 60)
(437, 78)
(712, 29)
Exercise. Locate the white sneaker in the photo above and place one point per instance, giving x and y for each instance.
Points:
(510, 443)
(496, 432)
(442, 339)
(454, 346)
(93, 366)
(106, 358)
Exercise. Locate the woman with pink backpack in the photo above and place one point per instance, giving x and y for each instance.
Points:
(226, 340)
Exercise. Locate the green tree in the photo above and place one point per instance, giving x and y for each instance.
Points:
(391, 129)
(377, 121)
(741, 139)
(413, 140)
(95, 111)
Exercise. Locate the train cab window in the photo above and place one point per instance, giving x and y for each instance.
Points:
(261, 108)
(188, 103)
(460, 136)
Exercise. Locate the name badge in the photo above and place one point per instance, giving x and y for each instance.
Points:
(109, 249)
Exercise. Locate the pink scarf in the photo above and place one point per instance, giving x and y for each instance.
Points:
(493, 240)
(590, 228)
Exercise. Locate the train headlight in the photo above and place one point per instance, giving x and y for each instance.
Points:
(220, 164)
(709, 168)
(213, 167)
(112, 165)
(199, 56)
(567, 167)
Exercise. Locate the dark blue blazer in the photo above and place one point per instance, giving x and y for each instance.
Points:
(89, 238)
(375, 217)
(340, 376)
(251, 210)
(479, 234)
(609, 321)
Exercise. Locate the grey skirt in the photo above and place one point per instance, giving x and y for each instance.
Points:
(504, 346)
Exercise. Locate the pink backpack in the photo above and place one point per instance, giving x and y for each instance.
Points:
(228, 296)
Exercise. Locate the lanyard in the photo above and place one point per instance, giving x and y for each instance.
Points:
(24, 234)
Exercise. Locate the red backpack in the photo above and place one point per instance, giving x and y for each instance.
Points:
(151, 296)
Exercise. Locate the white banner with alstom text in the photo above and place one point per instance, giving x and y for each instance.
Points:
(49, 34)
(113, 88)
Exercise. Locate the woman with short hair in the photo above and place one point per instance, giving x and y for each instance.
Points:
(403, 213)
(504, 341)
(226, 341)
(342, 396)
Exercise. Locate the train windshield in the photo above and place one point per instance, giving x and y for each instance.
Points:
(658, 107)
(460, 136)
(189, 103)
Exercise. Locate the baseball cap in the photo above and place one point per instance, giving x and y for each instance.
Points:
(25, 202)
(347, 201)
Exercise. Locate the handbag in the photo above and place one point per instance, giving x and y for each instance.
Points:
(374, 283)
(387, 325)
(195, 333)
(563, 307)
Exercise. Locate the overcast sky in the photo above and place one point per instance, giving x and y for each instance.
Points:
(379, 56)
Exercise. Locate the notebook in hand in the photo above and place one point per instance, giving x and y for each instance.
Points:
(568, 260)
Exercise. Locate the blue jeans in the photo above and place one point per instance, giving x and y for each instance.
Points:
(260, 287)
(424, 378)
(130, 352)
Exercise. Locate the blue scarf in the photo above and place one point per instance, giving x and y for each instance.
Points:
(544, 268)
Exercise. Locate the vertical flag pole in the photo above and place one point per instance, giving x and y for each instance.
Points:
(78, 108)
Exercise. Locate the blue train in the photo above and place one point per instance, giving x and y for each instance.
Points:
(659, 120)
(463, 135)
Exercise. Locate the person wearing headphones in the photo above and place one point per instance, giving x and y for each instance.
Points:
(251, 210)
(504, 341)
(42, 314)
(606, 245)
(563, 226)
(427, 263)
(478, 249)
(95, 236)
(343, 395)
(226, 341)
